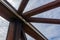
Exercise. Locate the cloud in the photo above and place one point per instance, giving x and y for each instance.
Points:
(3, 28)
(36, 3)
(48, 30)
(15, 3)
(55, 38)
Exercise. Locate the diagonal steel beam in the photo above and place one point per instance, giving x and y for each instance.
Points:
(14, 14)
(44, 20)
(30, 31)
(43, 8)
(33, 34)
(23, 5)
(6, 13)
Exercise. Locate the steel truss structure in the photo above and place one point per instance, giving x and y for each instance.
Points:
(20, 22)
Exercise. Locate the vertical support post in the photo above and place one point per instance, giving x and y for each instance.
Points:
(10, 34)
(16, 31)
(23, 33)
(19, 33)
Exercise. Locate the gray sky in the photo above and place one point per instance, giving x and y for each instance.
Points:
(3, 28)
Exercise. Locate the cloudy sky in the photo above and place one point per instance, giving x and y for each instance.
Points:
(3, 28)
(51, 31)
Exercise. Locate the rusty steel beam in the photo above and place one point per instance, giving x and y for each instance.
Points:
(22, 6)
(33, 34)
(12, 14)
(19, 32)
(27, 29)
(15, 31)
(10, 35)
(6, 13)
(43, 8)
(44, 20)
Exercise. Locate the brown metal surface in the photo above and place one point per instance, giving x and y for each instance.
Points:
(10, 35)
(23, 5)
(32, 33)
(27, 29)
(43, 8)
(44, 20)
(18, 31)
(7, 14)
